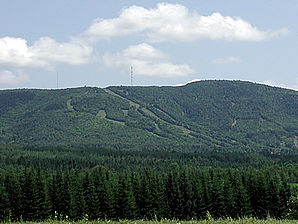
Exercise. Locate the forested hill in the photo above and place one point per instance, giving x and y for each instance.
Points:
(200, 116)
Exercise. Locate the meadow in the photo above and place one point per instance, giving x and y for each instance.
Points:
(207, 221)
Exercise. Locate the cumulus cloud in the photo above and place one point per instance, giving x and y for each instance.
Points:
(10, 78)
(227, 60)
(147, 61)
(174, 22)
(45, 52)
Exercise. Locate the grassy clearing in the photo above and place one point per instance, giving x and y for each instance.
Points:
(69, 106)
(209, 221)
(131, 103)
(101, 114)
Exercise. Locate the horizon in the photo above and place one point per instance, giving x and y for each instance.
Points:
(175, 85)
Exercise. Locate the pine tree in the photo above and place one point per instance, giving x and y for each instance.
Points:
(274, 187)
(77, 203)
(126, 205)
(148, 197)
(284, 196)
(13, 190)
(59, 195)
(242, 206)
(229, 196)
(89, 197)
(27, 199)
(258, 193)
(187, 196)
(173, 195)
(41, 205)
(104, 193)
(4, 203)
(217, 196)
(200, 208)
(138, 193)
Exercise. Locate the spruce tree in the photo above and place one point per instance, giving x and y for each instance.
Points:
(41, 205)
(242, 206)
(4, 203)
(77, 203)
(13, 189)
(126, 205)
(27, 196)
(89, 197)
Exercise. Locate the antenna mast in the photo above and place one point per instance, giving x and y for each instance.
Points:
(131, 75)
(57, 79)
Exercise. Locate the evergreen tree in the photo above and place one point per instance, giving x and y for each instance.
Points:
(41, 203)
(229, 196)
(60, 195)
(104, 193)
(187, 196)
(13, 190)
(4, 203)
(217, 196)
(89, 197)
(27, 197)
(284, 197)
(200, 207)
(173, 195)
(242, 206)
(126, 205)
(77, 203)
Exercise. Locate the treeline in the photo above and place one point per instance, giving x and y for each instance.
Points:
(62, 159)
(34, 194)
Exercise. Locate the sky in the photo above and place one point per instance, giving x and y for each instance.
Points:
(95, 43)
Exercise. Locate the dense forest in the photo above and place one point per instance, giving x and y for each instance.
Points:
(76, 184)
(201, 116)
(208, 149)
(97, 193)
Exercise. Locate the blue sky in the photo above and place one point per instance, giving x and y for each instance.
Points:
(94, 42)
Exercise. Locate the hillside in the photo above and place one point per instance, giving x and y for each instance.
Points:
(205, 115)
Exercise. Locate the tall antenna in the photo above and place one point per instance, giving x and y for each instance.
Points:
(57, 79)
(131, 75)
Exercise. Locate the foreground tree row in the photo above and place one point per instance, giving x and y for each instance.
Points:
(33, 194)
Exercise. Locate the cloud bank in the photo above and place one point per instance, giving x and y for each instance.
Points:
(147, 61)
(175, 23)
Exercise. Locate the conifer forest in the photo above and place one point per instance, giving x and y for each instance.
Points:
(210, 150)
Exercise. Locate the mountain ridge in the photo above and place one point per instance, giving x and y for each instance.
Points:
(206, 115)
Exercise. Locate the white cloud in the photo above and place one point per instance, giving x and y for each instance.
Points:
(10, 78)
(147, 61)
(174, 22)
(51, 51)
(227, 60)
(46, 52)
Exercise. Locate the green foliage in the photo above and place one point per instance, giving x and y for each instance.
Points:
(205, 116)
(183, 194)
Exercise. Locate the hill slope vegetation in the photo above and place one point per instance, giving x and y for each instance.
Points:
(200, 116)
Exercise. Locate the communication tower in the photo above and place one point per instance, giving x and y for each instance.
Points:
(131, 75)
(57, 79)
